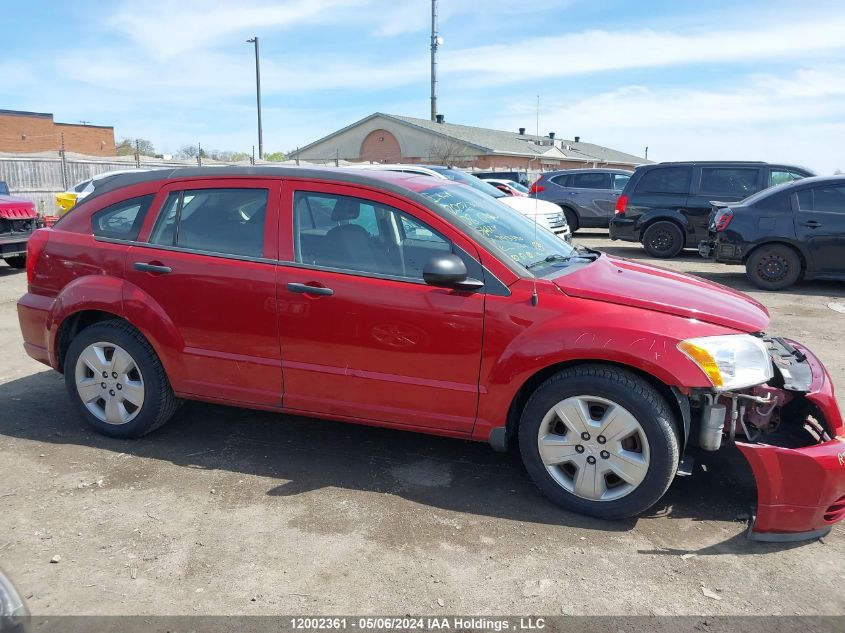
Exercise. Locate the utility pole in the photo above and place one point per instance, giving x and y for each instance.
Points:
(64, 163)
(646, 152)
(253, 155)
(435, 42)
(137, 154)
(254, 40)
(199, 154)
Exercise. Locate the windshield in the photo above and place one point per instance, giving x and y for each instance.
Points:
(507, 231)
(476, 183)
(518, 186)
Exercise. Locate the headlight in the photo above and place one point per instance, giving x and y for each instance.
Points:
(733, 361)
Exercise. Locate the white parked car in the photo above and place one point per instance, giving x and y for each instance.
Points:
(546, 214)
(66, 200)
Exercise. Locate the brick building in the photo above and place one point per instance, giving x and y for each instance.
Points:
(389, 138)
(26, 132)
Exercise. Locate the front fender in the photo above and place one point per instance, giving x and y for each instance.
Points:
(581, 330)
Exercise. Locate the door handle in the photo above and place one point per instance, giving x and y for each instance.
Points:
(812, 224)
(152, 268)
(309, 290)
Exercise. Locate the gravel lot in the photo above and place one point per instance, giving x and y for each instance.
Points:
(226, 511)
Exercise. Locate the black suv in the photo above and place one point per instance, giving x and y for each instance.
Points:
(666, 206)
(783, 233)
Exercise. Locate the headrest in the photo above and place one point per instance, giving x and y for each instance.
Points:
(345, 209)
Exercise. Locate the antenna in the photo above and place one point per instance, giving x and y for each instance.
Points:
(534, 298)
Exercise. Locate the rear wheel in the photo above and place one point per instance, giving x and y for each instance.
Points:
(663, 239)
(773, 267)
(599, 440)
(17, 261)
(116, 380)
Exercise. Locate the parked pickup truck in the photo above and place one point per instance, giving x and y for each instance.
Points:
(18, 219)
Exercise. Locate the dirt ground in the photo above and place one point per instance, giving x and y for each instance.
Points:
(227, 511)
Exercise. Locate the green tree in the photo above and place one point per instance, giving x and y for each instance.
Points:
(127, 146)
(190, 151)
(276, 157)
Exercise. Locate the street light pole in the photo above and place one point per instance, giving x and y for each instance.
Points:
(435, 41)
(254, 40)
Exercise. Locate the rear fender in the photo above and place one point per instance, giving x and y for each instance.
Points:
(656, 215)
(115, 296)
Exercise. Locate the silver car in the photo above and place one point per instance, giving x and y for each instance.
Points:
(587, 196)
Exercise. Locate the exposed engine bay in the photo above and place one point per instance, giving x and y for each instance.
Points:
(776, 413)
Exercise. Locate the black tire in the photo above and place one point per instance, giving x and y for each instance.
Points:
(571, 219)
(17, 261)
(773, 267)
(663, 239)
(159, 403)
(631, 392)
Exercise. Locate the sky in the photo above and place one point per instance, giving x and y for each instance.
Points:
(721, 79)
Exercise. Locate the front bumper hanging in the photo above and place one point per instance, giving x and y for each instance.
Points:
(801, 491)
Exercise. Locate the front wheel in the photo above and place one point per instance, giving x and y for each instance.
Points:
(17, 261)
(663, 240)
(600, 441)
(117, 381)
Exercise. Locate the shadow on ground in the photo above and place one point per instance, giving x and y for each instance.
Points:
(309, 454)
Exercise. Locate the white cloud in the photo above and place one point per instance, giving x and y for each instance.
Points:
(167, 29)
(796, 118)
(599, 51)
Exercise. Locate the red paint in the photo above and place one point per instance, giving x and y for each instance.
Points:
(796, 487)
(396, 353)
(645, 286)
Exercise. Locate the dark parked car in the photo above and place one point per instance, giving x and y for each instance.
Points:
(517, 176)
(666, 206)
(783, 234)
(587, 196)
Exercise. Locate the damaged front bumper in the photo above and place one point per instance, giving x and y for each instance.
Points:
(800, 490)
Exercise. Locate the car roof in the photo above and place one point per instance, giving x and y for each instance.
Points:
(419, 169)
(588, 170)
(810, 180)
(405, 184)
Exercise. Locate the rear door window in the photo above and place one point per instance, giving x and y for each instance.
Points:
(824, 198)
(738, 182)
(123, 220)
(591, 181)
(666, 180)
(226, 221)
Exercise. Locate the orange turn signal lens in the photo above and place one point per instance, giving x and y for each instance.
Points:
(703, 359)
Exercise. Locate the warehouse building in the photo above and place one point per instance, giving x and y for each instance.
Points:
(390, 138)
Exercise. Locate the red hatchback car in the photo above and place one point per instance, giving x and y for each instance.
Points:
(399, 300)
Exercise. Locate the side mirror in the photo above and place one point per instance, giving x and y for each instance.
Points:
(449, 271)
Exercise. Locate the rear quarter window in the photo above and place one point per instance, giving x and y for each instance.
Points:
(674, 180)
(122, 220)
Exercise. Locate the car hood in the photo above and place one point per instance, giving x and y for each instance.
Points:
(627, 282)
(527, 205)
